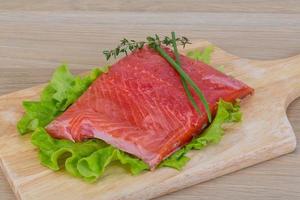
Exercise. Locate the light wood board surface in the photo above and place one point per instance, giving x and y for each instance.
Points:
(265, 133)
(33, 43)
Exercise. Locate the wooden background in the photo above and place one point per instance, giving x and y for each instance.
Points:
(36, 36)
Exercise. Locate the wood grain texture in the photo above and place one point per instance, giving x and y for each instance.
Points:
(255, 140)
(71, 31)
(254, 6)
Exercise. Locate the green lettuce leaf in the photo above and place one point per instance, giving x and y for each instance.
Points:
(87, 160)
(227, 112)
(204, 56)
(63, 89)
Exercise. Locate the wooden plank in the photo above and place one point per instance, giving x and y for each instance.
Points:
(278, 178)
(255, 140)
(89, 33)
(32, 41)
(256, 6)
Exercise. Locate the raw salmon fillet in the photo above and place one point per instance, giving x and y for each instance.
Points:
(140, 106)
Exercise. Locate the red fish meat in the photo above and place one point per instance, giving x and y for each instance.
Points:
(140, 106)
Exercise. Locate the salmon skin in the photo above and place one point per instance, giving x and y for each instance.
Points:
(141, 107)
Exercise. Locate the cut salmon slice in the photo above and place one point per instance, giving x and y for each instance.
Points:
(140, 106)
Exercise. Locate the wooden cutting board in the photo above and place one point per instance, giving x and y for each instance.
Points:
(265, 133)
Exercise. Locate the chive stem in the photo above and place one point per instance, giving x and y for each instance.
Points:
(183, 81)
(187, 79)
(189, 95)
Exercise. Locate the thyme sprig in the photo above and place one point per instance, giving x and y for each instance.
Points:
(156, 43)
(126, 46)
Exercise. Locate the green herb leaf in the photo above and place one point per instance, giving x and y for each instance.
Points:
(127, 46)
